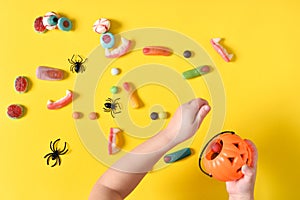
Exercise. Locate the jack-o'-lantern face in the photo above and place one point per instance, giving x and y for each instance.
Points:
(224, 155)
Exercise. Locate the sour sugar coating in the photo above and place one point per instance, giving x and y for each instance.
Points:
(53, 105)
(102, 25)
(177, 155)
(198, 71)
(220, 49)
(113, 141)
(134, 100)
(122, 49)
(49, 73)
(157, 51)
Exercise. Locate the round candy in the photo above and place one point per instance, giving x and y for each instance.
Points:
(39, 26)
(102, 25)
(154, 115)
(64, 24)
(162, 115)
(115, 71)
(187, 54)
(114, 89)
(93, 115)
(107, 40)
(15, 111)
(50, 20)
(76, 115)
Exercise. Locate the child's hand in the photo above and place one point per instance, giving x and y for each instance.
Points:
(244, 187)
(187, 119)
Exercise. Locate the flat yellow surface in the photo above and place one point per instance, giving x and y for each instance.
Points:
(261, 87)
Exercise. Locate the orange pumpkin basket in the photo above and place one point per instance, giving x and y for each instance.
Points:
(224, 155)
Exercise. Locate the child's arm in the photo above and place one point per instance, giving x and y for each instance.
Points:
(121, 178)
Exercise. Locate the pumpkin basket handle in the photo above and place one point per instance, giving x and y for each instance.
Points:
(203, 150)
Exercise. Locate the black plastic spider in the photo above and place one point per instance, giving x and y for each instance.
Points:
(112, 106)
(55, 153)
(77, 64)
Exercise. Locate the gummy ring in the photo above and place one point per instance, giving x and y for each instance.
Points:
(107, 40)
(64, 24)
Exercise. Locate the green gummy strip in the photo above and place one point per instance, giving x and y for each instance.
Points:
(192, 73)
(178, 155)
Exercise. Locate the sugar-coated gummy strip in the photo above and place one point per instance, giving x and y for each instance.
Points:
(49, 73)
(177, 155)
(198, 71)
(157, 51)
(134, 100)
(53, 105)
(112, 141)
(220, 49)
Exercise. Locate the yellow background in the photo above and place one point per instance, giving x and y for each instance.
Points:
(262, 93)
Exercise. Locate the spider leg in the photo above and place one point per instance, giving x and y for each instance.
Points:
(71, 60)
(109, 99)
(62, 151)
(51, 147)
(81, 59)
(112, 114)
(59, 160)
(106, 110)
(54, 163)
(48, 159)
(116, 112)
(49, 154)
(54, 144)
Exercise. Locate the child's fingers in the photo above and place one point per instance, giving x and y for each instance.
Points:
(204, 110)
(254, 152)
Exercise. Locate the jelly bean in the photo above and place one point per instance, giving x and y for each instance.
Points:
(93, 115)
(162, 115)
(115, 71)
(114, 89)
(76, 115)
(154, 115)
(187, 54)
